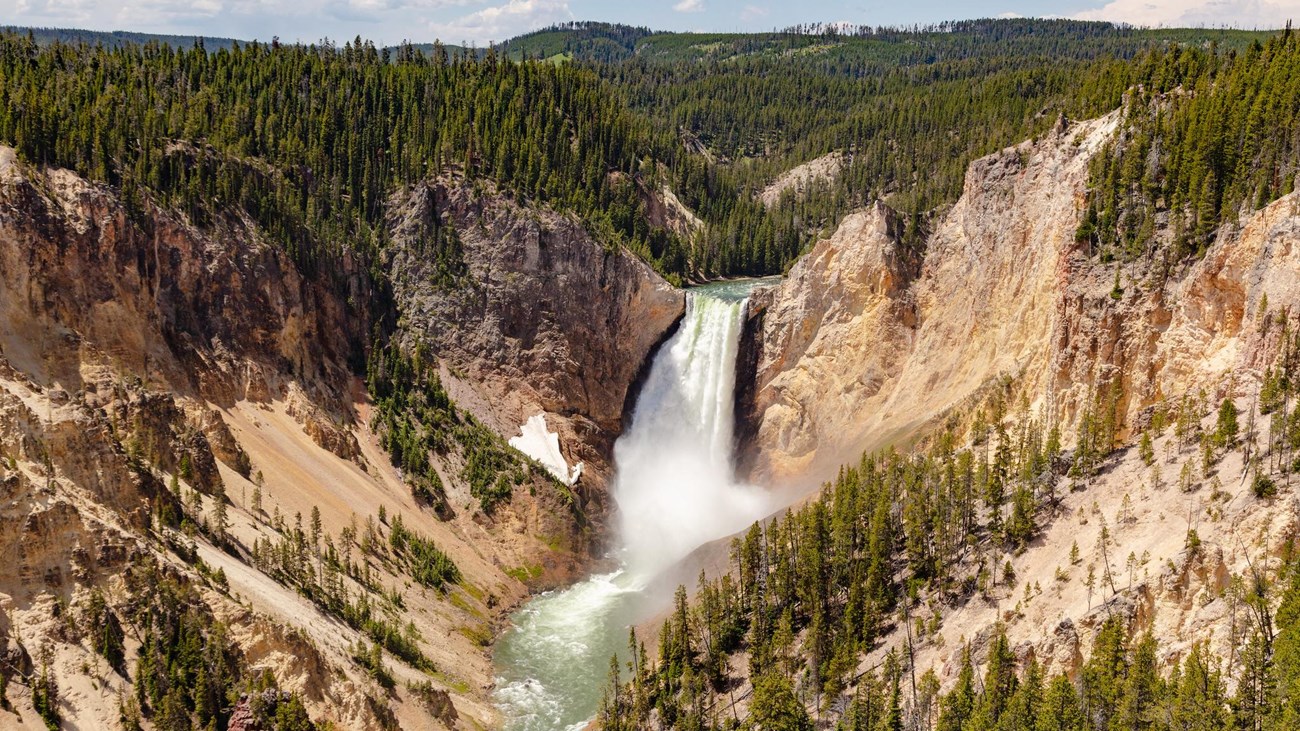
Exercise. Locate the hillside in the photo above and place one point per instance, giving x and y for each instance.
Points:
(715, 118)
(851, 46)
(1058, 477)
(117, 38)
(910, 109)
(195, 423)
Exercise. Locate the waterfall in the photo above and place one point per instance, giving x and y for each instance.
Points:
(675, 489)
(675, 485)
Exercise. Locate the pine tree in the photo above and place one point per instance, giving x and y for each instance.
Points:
(1284, 705)
(1226, 428)
(45, 694)
(1142, 688)
(959, 705)
(1105, 672)
(775, 707)
(1022, 712)
(220, 518)
(995, 491)
(1199, 702)
(1000, 683)
(1021, 527)
(1060, 710)
(1256, 687)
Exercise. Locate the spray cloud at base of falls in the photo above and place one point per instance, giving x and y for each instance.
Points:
(675, 489)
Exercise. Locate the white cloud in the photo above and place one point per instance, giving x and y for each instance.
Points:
(171, 9)
(380, 5)
(1175, 13)
(689, 6)
(52, 12)
(383, 21)
(500, 22)
(752, 13)
(1009, 15)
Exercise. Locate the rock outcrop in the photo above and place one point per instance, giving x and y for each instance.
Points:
(91, 291)
(851, 293)
(545, 318)
(859, 348)
(851, 353)
(663, 209)
(797, 180)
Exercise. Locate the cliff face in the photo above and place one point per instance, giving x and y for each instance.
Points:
(1210, 327)
(545, 318)
(851, 355)
(152, 370)
(846, 301)
(219, 314)
(855, 350)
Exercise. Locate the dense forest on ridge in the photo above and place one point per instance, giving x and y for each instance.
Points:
(1206, 137)
(311, 139)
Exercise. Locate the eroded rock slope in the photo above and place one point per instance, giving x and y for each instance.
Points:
(853, 351)
(183, 420)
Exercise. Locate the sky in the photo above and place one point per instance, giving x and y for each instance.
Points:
(479, 21)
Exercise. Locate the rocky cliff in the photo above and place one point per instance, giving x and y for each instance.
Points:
(541, 318)
(860, 348)
(87, 286)
(852, 351)
(181, 405)
(849, 294)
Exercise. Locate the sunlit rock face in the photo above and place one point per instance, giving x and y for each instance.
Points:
(544, 318)
(856, 349)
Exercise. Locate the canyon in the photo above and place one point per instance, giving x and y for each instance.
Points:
(147, 363)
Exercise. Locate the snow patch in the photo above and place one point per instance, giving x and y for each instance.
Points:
(543, 445)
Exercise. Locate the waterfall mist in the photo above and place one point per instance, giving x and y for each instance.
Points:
(675, 487)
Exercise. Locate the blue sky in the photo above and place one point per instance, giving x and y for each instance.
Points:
(479, 21)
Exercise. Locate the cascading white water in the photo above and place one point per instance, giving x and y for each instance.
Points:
(675, 485)
(676, 490)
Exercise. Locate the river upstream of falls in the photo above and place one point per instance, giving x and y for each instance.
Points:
(676, 490)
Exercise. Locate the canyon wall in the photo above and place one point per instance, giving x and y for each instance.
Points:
(854, 350)
(861, 348)
(153, 371)
(545, 319)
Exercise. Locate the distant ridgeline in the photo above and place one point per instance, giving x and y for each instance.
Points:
(115, 38)
(588, 117)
